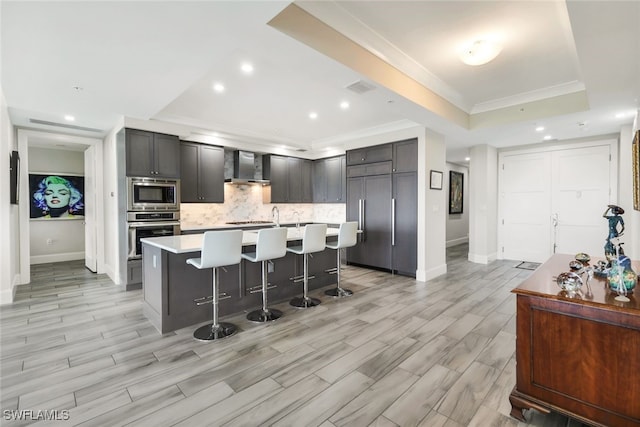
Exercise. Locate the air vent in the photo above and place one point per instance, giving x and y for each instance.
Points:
(361, 87)
(63, 125)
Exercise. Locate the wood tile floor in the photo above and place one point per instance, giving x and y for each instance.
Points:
(397, 353)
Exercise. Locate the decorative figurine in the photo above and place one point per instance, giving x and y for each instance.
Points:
(612, 214)
(622, 279)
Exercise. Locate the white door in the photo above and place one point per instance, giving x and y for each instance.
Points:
(90, 244)
(580, 195)
(525, 183)
(552, 202)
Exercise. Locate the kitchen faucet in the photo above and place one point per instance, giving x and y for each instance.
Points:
(275, 213)
(297, 214)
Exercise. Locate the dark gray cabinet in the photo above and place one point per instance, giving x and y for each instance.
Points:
(369, 203)
(150, 154)
(329, 180)
(404, 236)
(405, 156)
(202, 173)
(377, 153)
(290, 179)
(382, 192)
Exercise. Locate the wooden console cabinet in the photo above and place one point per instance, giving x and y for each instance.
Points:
(577, 356)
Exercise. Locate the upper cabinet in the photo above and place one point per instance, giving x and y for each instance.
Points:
(329, 180)
(202, 173)
(405, 156)
(377, 153)
(290, 179)
(150, 154)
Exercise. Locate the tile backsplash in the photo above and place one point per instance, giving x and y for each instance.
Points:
(244, 203)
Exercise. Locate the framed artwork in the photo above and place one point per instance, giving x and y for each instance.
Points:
(635, 155)
(55, 196)
(14, 178)
(456, 192)
(435, 183)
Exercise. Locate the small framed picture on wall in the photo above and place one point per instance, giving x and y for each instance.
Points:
(435, 182)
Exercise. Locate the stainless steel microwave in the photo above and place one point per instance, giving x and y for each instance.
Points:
(153, 194)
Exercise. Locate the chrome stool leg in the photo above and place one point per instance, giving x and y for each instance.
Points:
(265, 314)
(215, 330)
(305, 301)
(338, 292)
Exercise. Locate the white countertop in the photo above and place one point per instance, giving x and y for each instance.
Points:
(193, 242)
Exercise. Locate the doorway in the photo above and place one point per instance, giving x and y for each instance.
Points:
(552, 200)
(93, 146)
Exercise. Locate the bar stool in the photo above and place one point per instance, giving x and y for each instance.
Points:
(219, 248)
(313, 240)
(347, 237)
(271, 244)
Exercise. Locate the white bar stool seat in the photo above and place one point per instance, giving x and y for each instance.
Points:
(271, 244)
(219, 248)
(314, 239)
(347, 237)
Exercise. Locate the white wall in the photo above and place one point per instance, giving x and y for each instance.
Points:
(56, 240)
(458, 224)
(483, 200)
(114, 235)
(10, 230)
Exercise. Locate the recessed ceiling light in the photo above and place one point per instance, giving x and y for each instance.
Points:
(547, 137)
(246, 68)
(313, 115)
(539, 128)
(344, 105)
(466, 159)
(69, 118)
(479, 52)
(218, 87)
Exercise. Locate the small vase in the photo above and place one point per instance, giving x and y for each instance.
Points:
(620, 277)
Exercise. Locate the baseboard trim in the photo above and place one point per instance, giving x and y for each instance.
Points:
(432, 273)
(482, 259)
(67, 256)
(456, 242)
(8, 296)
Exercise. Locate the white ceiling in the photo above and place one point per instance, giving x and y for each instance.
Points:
(158, 61)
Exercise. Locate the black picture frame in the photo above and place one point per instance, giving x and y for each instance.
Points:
(435, 180)
(39, 209)
(14, 178)
(456, 192)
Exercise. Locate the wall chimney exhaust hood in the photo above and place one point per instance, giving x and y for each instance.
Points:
(244, 169)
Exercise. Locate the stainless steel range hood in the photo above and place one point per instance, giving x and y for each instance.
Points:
(244, 169)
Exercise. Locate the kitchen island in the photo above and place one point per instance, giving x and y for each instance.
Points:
(170, 285)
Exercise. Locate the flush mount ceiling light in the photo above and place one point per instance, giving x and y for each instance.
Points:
(344, 105)
(218, 87)
(246, 68)
(313, 115)
(480, 52)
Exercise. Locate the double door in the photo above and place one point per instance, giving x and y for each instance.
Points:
(553, 201)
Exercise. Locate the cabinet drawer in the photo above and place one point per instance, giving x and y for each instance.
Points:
(381, 168)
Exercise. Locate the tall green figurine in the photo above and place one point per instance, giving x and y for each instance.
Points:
(616, 229)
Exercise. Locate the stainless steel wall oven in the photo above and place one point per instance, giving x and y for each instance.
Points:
(149, 224)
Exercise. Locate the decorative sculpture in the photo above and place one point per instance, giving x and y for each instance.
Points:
(622, 279)
(616, 229)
